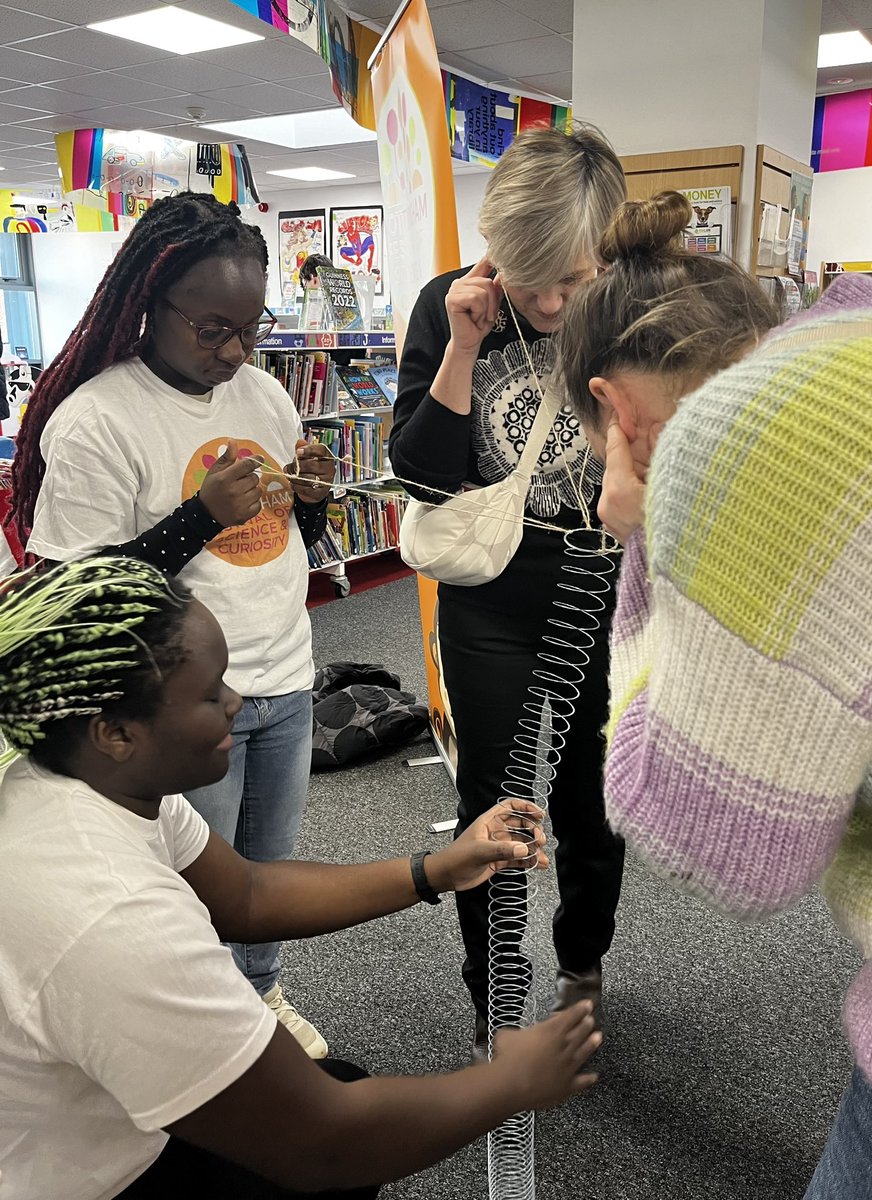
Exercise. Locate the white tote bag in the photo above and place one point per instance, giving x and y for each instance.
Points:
(471, 538)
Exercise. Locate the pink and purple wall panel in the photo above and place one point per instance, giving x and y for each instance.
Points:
(842, 133)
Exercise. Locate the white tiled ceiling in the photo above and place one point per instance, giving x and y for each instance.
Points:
(55, 74)
(837, 17)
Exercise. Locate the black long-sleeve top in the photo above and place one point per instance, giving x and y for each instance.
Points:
(173, 542)
(433, 447)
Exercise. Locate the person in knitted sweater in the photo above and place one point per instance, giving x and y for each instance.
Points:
(740, 731)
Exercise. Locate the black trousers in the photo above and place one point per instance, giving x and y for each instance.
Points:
(489, 658)
(183, 1171)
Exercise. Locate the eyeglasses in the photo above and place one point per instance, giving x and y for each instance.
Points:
(211, 337)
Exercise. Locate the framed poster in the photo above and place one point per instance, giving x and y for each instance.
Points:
(301, 233)
(357, 242)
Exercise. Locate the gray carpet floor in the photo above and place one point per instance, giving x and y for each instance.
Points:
(724, 1058)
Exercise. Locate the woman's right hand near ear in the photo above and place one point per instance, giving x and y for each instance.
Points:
(472, 304)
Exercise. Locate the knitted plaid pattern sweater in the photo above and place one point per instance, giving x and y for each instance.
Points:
(740, 736)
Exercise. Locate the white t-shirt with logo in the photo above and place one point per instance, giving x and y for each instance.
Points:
(7, 559)
(125, 449)
(120, 1011)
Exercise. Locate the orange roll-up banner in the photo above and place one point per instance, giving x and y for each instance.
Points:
(420, 233)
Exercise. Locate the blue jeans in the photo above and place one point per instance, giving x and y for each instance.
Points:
(258, 804)
(845, 1170)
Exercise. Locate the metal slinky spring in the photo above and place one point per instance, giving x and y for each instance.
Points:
(556, 685)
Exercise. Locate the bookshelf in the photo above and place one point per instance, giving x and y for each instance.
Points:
(362, 523)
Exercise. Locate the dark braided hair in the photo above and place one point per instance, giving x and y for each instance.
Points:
(98, 635)
(171, 237)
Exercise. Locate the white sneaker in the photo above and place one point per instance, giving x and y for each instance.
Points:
(305, 1033)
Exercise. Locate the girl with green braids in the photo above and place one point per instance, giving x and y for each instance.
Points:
(135, 1060)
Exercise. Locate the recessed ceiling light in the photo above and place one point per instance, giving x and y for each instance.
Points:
(312, 174)
(835, 49)
(300, 131)
(177, 30)
(839, 79)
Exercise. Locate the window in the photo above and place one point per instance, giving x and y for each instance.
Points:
(19, 325)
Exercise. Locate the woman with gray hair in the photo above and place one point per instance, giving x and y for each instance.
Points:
(466, 402)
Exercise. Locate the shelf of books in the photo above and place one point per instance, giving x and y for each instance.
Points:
(321, 388)
(348, 406)
(358, 526)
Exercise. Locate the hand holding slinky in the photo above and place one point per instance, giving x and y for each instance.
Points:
(312, 471)
(545, 1061)
(507, 836)
(472, 304)
(231, 489)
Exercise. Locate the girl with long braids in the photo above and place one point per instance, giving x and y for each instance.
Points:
(150, 434)
(122, 1018)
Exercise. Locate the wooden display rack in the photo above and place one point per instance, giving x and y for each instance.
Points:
(713, 166)
(772, 186)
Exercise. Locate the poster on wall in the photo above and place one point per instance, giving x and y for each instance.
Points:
(357, 241)
(711, 228)
(301, 233)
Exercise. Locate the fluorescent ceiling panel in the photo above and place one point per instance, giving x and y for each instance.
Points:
(312, 174)
(839, 49)
(176, 30)
(300, 131)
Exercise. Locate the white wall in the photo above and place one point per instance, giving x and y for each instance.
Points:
(840, 229)
(68, 268)
(468, 193)
(693, 75)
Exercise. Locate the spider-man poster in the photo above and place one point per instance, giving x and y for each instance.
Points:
(356, 242)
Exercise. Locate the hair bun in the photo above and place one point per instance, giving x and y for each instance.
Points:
(645, 226)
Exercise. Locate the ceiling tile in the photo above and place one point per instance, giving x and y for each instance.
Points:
(187, 74)
(22, 159)
(457, 62)
(76, 12)
(215, 110)
(16, 113)
(372, 10)
(110, 86)
(559, 85)
(261, 97)
(38, 100)
(320, 87)
(17, 24)
(280, 58)
(538, 56)
(89, 48)
(553, 14)
(117, 116)
(34, 68)
(462, 27)
(26, 135)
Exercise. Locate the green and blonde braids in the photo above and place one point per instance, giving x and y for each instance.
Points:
(87, 637)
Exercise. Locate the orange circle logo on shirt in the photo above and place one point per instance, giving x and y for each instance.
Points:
(265, 536)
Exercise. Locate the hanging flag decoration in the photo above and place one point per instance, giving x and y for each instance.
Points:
(483, 122)
(123, 172)
(477, 115)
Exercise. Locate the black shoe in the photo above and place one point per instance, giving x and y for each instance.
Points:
(570, 987)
